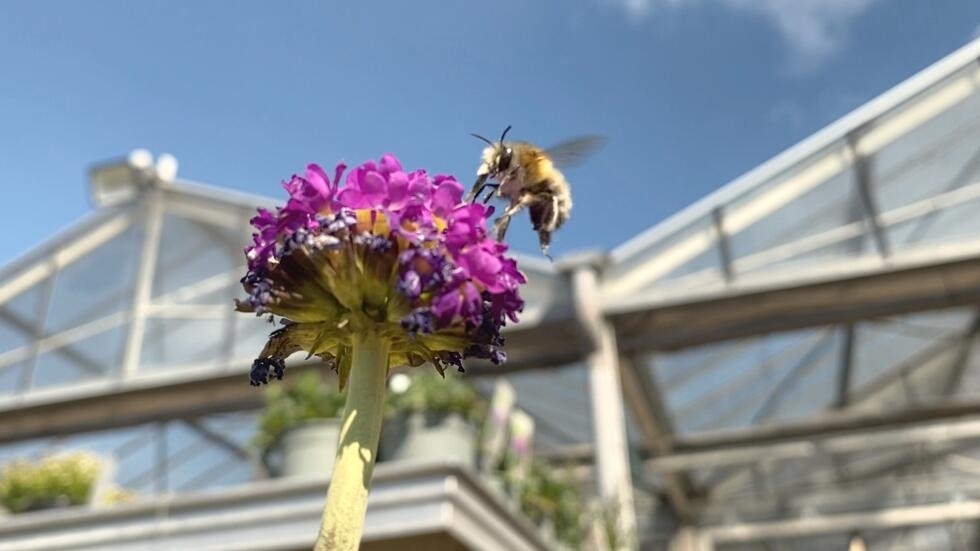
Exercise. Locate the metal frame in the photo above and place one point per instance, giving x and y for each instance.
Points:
(608, 312)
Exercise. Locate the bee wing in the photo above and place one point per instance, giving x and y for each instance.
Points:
(575, 150)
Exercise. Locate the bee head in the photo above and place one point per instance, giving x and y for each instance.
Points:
(497, 157)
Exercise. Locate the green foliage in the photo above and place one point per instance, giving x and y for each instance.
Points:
(55, 480)
(305, 398)
(614, 537)
(430, 392)
(550, 494)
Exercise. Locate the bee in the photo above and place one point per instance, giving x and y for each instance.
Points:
(528, 176)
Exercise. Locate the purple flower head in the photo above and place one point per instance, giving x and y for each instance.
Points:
(390, 251)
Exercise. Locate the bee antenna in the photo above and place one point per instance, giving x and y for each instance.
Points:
(506, 130)
(481, 138)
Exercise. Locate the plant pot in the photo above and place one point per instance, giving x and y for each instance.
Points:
(308, 449)
(429, 436)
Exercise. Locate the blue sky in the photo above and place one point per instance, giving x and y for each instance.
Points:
(691, 93)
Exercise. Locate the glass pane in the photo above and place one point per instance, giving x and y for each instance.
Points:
(687, 257)
(951, 225)
(206, 462)
(18, 329)
(25, 307)
(557, 398)
(734, 385)
(57, 369)
(251, 334)
(804, 229)
(191, 255)
(10, 378)
(96, 285)
(930, 159)
(87, 359)
(182, 343)
(14, 334)
(906, 341)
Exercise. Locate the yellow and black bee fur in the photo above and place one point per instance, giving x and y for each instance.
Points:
(528, 176)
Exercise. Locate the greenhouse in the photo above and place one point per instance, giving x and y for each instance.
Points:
(788, 363)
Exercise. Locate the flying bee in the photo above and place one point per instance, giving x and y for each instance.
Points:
(528, 176)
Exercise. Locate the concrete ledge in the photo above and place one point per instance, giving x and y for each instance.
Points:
(433, 506)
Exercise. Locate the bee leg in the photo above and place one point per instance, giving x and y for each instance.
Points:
(544, 220)
(544, 240)
(493, 188)
(500, 225)
(477, 188)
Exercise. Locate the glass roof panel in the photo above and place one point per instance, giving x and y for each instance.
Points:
(183, 343)
(10, 377)
(24, 310)
(732, 384)
(97, 284)
(884, 346)
(97, 356)
(557, 398)
(929, 160)
(805, 227)
(192, 253)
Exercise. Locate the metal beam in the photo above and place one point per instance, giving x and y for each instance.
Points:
(937, 280)
(834, 434)
(144, 281)
(861, 164)
(963, 353)
(884, 519)
(644, 400)
(40, 324)
(724, 244)
(877, 485)
(605, 389)
(223, 386)
(63, 251)
(550, 344)
(816, 160)
(110, 404)
(846, 366)
(830, 423)
(840, 236)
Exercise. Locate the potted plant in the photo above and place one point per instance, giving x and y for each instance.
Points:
(430, 417)
(299, 426)
(61, 480)
(552, 501)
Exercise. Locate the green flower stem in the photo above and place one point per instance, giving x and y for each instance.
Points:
(343, 515)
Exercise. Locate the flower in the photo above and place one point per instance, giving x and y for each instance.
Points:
(392, 252)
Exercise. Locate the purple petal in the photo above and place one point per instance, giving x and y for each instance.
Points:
(446, 306)
(471, 304)
(318, 179)
(446, 196)
(389, 164)
(419, 188)
(398, 193)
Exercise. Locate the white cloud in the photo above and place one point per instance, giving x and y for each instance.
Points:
(814, 29)
(639, 9)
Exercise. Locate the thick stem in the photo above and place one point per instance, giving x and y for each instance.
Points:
(343, 515)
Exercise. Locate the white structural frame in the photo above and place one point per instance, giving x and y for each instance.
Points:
(605, 311)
